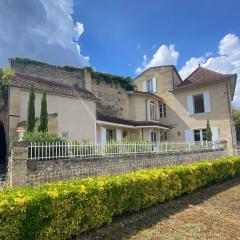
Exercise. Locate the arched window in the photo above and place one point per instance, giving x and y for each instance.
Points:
(154, 136)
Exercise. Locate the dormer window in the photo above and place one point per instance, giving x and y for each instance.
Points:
(150, 85)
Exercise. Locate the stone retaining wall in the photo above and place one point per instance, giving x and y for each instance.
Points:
(36, 172)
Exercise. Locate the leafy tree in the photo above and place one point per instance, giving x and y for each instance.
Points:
(43, 127)
(236, 117)
(31, 110)
(5, 75)
(209, 132)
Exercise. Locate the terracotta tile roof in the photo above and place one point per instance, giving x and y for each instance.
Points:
(203, 75)
(25, 81)
(133, 123)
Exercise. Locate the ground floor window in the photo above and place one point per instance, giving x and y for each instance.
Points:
(64, 135)
(163, 136)
(200, 135)
(111, 134)
(154, 136)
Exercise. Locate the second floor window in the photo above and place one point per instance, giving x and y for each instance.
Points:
(150, 85)
(162, 110)
(153, 110)
(198, 102)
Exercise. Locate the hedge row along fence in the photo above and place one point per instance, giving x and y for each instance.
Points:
(65, 209)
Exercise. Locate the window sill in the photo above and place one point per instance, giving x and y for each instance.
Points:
(197, 114)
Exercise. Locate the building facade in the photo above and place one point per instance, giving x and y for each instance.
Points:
(86, 105)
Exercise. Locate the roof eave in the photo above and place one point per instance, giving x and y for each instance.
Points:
(201, 83)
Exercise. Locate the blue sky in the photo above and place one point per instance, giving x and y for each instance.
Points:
(124, 37)
(119, 33)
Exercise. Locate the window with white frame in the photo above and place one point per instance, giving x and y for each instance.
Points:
(198, 103)
(154, 136)
(111, 134)
(153, 110)
(162, 110)
(163, 136)
(150, 85)
(64, 135)
(200, 135)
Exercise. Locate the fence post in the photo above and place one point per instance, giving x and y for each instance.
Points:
(18, 164)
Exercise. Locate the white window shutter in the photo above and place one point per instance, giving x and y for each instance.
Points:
(190, 104)
(119, 135)
(206, 99)
(144, 86)
(154, 83)
(189, 137)
(215, 133)
(103, 135)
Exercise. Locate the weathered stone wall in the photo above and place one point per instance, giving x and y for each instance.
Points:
(39, 172)
(114, 99)
(49, 72)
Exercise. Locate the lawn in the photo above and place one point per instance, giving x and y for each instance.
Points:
(209, 213)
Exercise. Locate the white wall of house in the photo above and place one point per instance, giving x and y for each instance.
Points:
(75, 116)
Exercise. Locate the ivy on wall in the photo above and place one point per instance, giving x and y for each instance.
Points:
(28, 61)
(125, 82)
(5, 75)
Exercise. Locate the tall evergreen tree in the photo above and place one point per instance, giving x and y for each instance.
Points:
(31, 110)
(43, 127)
(209, 132)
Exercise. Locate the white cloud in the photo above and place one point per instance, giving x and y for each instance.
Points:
(165, 55)
(227, 61)
(42, 30)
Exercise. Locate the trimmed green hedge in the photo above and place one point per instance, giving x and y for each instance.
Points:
(60, 210)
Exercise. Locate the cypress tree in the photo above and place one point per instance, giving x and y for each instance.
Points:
(31, 110)
(43, 127)
(209, 132)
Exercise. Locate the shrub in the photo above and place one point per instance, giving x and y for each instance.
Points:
(48, 145)
(42, 137)
(61, 210)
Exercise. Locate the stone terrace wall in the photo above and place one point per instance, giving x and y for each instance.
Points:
(114, 99)
(49, 72)
(40, 172)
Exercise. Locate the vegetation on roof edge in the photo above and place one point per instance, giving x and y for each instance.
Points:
(125, 82)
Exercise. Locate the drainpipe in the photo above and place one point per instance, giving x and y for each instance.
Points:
(229, 111)
(146, 107)
(7, 123)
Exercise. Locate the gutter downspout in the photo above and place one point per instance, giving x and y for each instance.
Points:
(230, 112)
(7, 127)
(146, 107)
